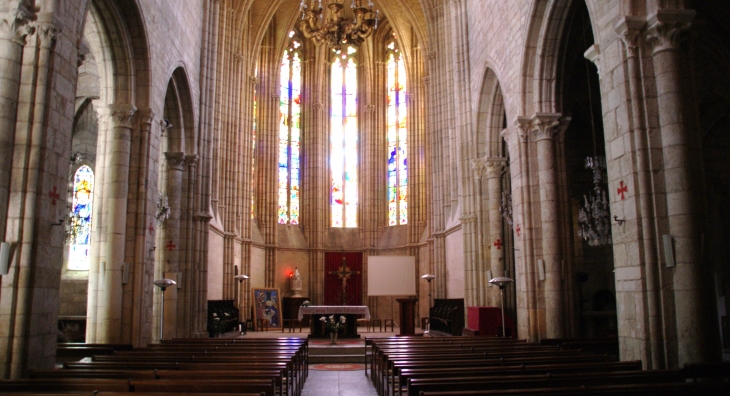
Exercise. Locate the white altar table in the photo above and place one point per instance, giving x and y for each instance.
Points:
(334, 309)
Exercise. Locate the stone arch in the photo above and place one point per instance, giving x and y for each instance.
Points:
(116, 38)
(541, 59)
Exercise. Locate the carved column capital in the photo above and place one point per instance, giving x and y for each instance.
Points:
(252, 80)
(523, 127)
(175, 161)
(369, 108)
(629, 29)
(122, 115)
(593, 54)
(317, 106)
(146, 116)
(14, 25)
(496, 167)
(426, 79)
(432, 55)
(667, 29)
(544, 125)
(238, 58)
(47, 34)
(479, 166)
(192, 161)
(275, 97)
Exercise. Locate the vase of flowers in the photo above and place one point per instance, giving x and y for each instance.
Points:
(332, 326)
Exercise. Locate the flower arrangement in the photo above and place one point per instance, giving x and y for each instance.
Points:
(215, 325)
(331, 325)
(306, 303)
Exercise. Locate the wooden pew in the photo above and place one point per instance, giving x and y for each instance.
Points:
(418, 385)
(673, 389)
(60, 385)
(200, 386)
(442, 372)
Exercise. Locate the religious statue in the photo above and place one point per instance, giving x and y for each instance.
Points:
(295, 283)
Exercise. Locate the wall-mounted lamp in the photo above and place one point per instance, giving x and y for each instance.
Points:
(619, 221)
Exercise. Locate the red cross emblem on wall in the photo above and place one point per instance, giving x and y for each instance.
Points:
(53, 194)
(498, 243)
(518, 229)
(170, 245)
(151, 229)
(622, 190)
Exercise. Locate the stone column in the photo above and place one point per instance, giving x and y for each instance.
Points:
(495, 170)
(544, 128)
(171, 244)
(479, 167)
(116, 189)
(13, 31)
(696, 327)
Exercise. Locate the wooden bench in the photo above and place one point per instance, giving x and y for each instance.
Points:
(509, 382)
(673, 389)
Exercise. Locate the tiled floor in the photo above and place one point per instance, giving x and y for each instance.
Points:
(338, 383)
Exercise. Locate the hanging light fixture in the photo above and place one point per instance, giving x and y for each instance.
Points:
(506, 207)
(163, 209)
(337, 31)
(594, 217)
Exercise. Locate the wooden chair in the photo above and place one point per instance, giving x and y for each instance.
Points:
(390, 322)
(377, 322)
(363, 322)
(262, 324)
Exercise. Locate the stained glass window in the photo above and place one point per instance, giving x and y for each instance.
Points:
(344, 139)
(80, 227)
(397, 138)
(290, 111)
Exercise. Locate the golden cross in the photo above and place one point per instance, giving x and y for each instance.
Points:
(344, 274)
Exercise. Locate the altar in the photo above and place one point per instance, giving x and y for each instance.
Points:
(316, 328)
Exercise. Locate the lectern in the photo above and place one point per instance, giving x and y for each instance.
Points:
(407, 313)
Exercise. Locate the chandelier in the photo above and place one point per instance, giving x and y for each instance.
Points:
(337, 31)
(163, 209)
(594, 217)
(506, 207)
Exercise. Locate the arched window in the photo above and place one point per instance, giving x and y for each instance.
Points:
(343, 139)
(397, 138)
(290, 132)
(80, 227)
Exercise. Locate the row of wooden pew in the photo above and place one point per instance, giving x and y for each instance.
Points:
(180, 366)
(431, 366)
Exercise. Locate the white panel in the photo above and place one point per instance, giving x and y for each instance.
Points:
(4, 257)
(391, 276)
(541, 269)
(668, 250)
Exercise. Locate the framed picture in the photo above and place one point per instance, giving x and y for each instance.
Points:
(267, 305)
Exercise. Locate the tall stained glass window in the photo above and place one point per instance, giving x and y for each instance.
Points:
(290, 132)
(343, 139)
(81, 207)
(397, 138)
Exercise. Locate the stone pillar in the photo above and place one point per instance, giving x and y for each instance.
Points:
(696, 330)
(479, 167)
(495, 169)
(116, 189)
(170, 263)
(13, 31)
(544, 130)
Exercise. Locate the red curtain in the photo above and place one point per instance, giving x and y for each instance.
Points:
(333, 284)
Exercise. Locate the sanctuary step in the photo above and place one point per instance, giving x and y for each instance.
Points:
(345, 351)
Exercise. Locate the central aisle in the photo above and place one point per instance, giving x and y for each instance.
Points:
(338, 383)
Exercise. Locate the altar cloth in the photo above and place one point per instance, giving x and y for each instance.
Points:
(334, 309)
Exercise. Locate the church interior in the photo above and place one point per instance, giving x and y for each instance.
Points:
(242, 151)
